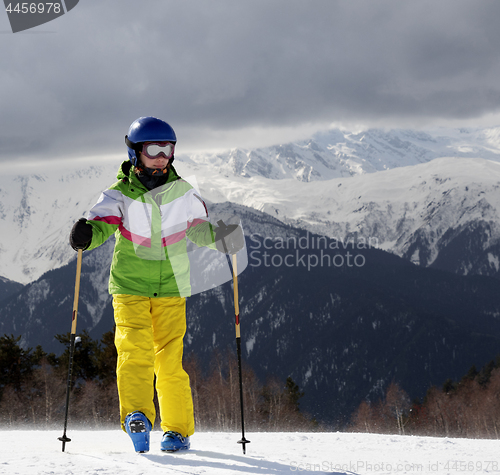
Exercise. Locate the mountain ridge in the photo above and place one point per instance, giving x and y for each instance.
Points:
(364, 185)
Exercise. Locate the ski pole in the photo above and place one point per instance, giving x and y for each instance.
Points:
(64, 438)
(242, 441)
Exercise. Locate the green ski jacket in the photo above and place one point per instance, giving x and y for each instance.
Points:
(150, 256)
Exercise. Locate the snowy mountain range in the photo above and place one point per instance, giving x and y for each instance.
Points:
(400, 189)
(342, 332)
(340, 154)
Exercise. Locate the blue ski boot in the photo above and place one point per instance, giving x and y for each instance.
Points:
(173, 441)
(138, 428)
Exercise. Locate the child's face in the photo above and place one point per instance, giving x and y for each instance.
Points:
(159, 162)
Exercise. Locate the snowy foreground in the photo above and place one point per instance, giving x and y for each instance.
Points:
(109, 452)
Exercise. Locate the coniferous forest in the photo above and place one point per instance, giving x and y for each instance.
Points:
(33, 390)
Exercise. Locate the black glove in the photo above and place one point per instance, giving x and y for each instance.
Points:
(81, 235)
(229, 239)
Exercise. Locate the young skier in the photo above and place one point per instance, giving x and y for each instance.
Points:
(151, 211)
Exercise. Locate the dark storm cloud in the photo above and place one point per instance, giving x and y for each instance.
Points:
(226, 65)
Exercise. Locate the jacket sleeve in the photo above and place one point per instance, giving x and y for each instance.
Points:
(200, 230)
(105, 217)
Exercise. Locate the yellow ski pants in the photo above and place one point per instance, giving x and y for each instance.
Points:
(149, 341)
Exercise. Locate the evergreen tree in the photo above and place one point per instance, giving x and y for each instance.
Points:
(107, 358)
(449, 386)
(484, 375)
(294, 393)
(85, 357)
(471, 374)
(16, 364)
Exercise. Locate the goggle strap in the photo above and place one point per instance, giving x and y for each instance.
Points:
(135, 145)
(129, 143)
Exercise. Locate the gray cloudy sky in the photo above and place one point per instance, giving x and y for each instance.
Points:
(244, 73)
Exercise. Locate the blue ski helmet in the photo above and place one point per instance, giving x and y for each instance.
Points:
(147, 129)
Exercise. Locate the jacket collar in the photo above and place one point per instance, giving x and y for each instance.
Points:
(126, 172)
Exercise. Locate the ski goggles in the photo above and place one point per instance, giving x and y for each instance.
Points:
(156, 149)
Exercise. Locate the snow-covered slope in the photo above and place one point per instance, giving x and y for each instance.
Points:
(109, 452)
(38, 206)
(390, 187)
